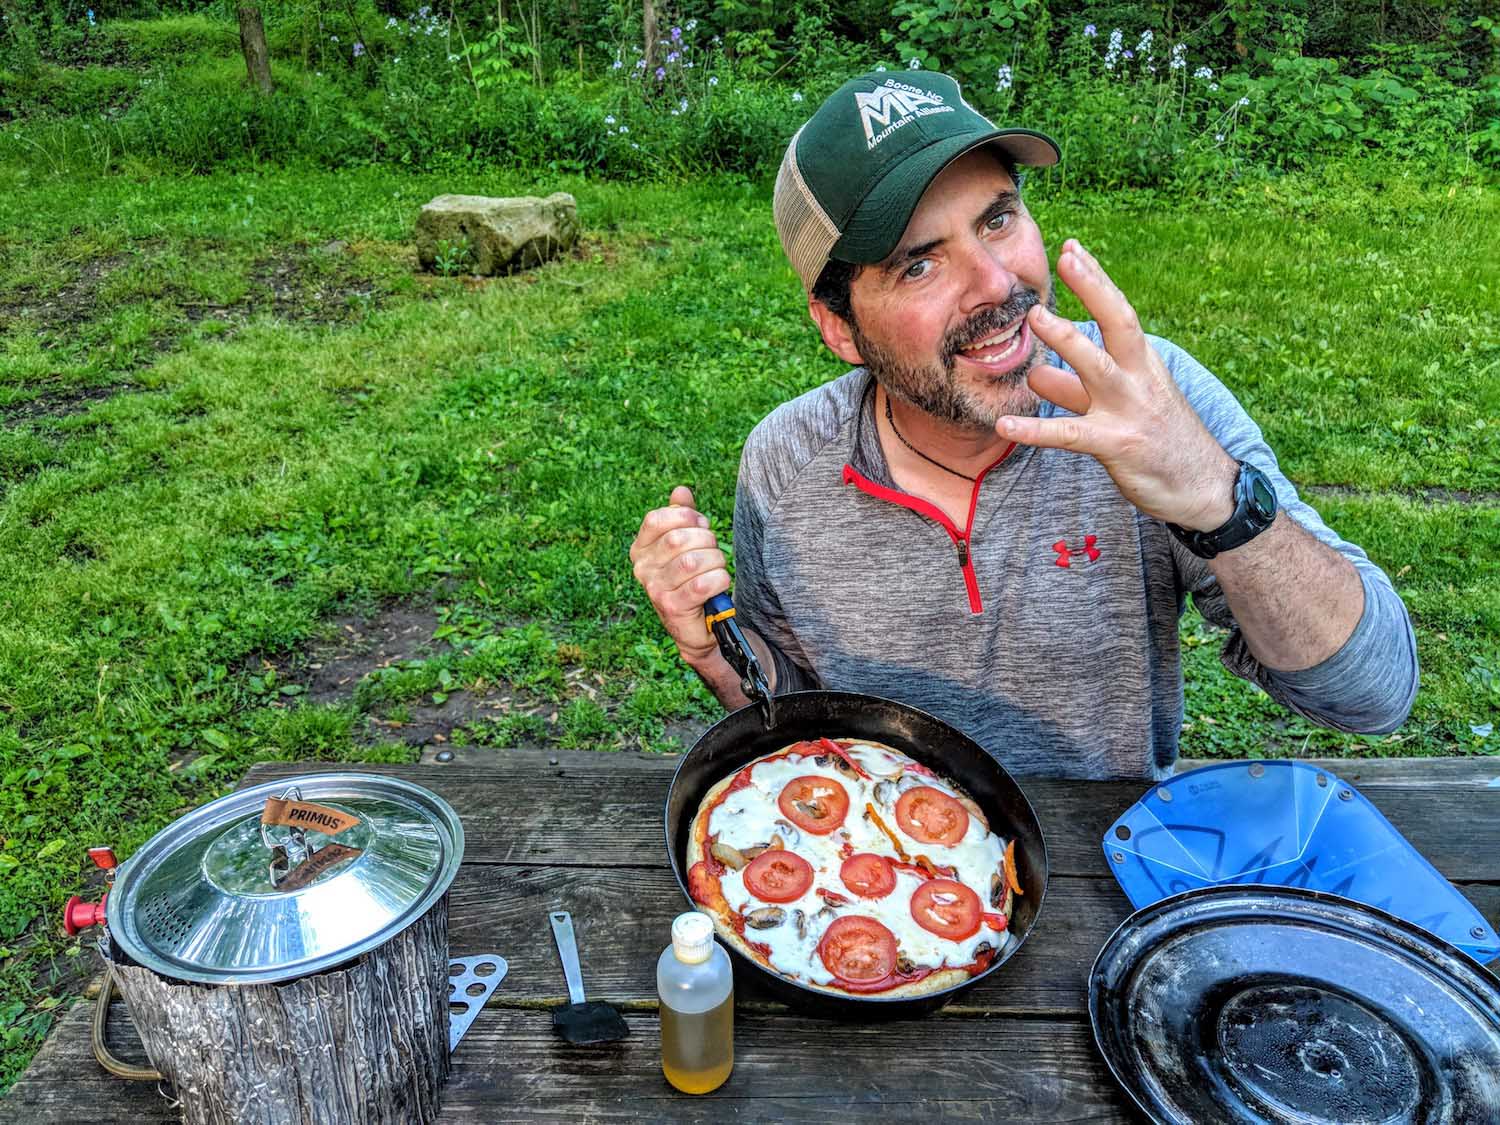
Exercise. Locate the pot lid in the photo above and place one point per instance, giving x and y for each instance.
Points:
(1273, 1004)
(285, 879)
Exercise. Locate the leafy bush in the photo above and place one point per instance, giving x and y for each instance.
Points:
(171, 41)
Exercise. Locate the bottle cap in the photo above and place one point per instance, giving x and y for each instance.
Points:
(692, 937)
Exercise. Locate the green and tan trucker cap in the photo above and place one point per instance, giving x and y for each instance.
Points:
(853, 174)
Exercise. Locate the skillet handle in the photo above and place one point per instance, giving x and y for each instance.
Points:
(718, 616)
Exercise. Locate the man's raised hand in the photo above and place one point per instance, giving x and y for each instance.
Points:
(678, 562)
(1131, 415)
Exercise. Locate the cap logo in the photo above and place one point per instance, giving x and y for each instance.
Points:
(893, 105)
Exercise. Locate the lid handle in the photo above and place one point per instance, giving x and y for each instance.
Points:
(290, 811)
(304, 815)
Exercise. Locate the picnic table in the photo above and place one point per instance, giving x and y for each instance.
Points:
(583, 832)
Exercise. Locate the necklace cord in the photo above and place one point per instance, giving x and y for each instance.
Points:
(891, 419)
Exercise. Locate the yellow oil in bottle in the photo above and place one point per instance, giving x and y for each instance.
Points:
(697, 1048)
(695, 984)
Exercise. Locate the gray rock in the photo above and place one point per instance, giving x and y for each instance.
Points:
(499, 235)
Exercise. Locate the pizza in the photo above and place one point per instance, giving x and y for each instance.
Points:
(848, 867)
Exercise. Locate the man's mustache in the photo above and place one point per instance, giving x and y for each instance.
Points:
(988, 321)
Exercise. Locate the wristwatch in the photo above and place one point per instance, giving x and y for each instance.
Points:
(1254, 511)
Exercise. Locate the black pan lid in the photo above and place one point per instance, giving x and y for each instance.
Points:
(1276, 1004)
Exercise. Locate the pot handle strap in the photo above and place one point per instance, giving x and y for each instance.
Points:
(305, 815)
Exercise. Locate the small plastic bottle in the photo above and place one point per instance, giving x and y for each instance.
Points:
(695, 984)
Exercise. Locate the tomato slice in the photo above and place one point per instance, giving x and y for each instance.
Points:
(778, 876)
(868, 875)
(948, 909)
(931, 816)
(814, 803)
(858, 949)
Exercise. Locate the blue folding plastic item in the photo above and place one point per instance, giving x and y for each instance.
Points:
(1285, 824)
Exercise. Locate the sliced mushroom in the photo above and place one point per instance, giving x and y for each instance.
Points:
(765, 918)
(821, 760)
(729, 857)
(997, 889)
(787, 832)
(843, 765)
(984, 821)
(824, 917)
(905, 965)
(909, 781)
(813, 810)
(776, 844)
(799, 919)
(885, 793)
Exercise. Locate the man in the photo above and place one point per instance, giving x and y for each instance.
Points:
(998, 514)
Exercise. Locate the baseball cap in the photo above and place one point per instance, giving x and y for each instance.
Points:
(854, 173)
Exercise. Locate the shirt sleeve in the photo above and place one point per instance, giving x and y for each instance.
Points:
(1367, 686)
(755, 600)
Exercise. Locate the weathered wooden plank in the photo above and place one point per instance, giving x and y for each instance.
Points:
(65, 1084)
(525, 810)
(511, 1067)
(1477, 772)
(623, 917)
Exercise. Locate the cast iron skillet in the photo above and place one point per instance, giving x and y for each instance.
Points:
(744, 736)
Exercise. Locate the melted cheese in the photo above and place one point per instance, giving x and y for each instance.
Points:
(749, 817)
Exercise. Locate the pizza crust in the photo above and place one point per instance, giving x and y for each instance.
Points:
(937, 981)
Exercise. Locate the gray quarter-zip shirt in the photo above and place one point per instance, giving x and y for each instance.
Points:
(1047, 629)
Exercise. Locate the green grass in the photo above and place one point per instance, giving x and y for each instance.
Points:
(490, 449)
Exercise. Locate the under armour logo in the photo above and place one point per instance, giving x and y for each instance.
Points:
(1088, 552)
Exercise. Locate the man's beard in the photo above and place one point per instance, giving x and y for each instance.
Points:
(935, 388)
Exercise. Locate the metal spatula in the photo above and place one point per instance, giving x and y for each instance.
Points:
(581, 1022)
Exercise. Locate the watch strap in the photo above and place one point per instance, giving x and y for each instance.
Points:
(1249, 519)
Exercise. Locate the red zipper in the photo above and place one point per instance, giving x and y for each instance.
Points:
(936, 514)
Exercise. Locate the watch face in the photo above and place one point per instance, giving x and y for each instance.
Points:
(1262, 494)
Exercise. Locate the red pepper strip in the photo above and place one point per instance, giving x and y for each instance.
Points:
(996, 922)
(934, 871)
(880, 824)
(1010, 868)
(834, 748)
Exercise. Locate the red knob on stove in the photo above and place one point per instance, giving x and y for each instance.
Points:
(104, 858)
(79, 915)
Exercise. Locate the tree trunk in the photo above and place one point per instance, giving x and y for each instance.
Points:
(253, 44)
(365, 1044)
(648, 23)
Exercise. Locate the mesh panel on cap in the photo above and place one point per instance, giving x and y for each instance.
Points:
(807, 233)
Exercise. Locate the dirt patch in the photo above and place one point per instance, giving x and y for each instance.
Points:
(360, 645)
(72, 304)
(491, 713)
(1427, 495)
(291, 288)
(59, 404)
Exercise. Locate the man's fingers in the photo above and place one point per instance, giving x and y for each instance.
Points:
(688, 598)
(1052, 433)
(661, 521)
(682, 496)
(1098, 372)
(1061, 387)
(1118, 324)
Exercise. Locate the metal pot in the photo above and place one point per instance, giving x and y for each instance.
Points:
(284, 950)
(744, 736)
